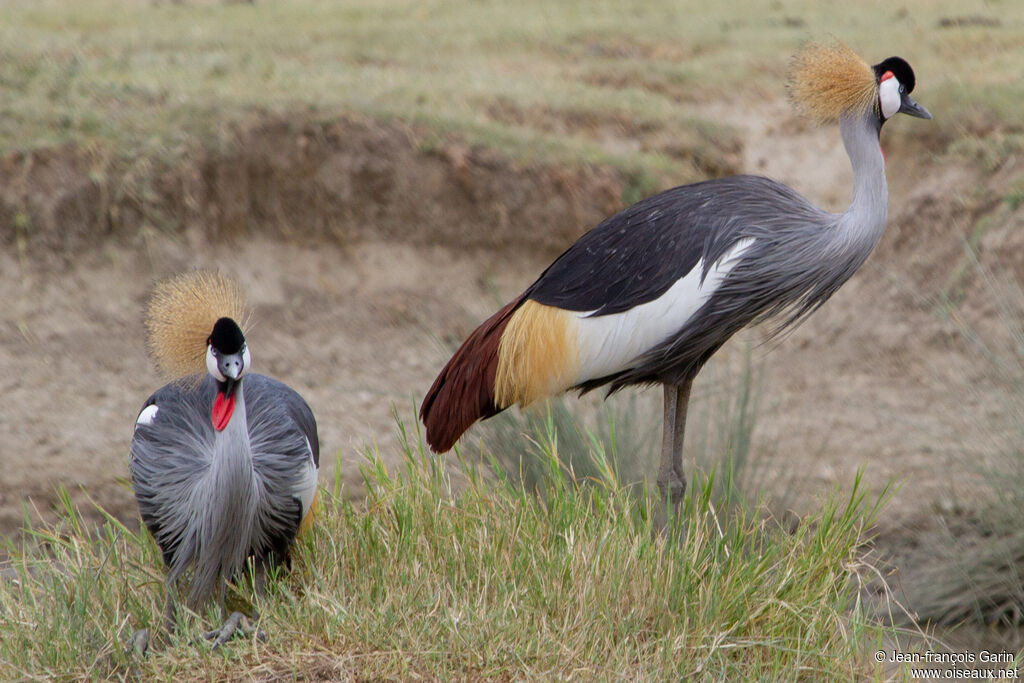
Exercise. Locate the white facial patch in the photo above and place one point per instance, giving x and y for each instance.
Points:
(148, 415)
(246, 359)
(211, 365)
(889, 95)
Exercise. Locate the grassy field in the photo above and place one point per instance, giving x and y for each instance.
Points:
(485, 580)
(607, 82)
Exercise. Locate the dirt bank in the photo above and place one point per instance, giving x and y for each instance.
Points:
(302, 180)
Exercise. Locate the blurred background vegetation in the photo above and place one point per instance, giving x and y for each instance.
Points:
(525, 78)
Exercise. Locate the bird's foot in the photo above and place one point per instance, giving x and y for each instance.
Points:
(138, 644)
(235, 623)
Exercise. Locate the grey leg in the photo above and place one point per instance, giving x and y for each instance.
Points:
(671, 477)
(260, 578)
(140, 640)
(237, 622)
(678, 430)
(169, 610)
(666, 472)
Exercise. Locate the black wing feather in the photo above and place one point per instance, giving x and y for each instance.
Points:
(636, 255)
(630, 258)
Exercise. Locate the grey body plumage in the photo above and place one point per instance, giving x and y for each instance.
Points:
(224, 464)
(211, 499)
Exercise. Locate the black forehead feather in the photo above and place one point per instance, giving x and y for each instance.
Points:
(899, 68)
(227, 337)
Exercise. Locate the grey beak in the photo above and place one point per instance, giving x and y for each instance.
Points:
(230, 365)
(912, 108)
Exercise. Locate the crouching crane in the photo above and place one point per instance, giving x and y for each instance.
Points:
(224, 466)
(650, 294)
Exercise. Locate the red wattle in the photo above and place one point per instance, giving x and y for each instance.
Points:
(884, 160)
(222, 409)
(886, 76)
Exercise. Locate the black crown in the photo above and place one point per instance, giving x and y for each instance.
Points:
(227, 337)
(899, 68)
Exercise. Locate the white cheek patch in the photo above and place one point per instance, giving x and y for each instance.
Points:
(211, 365)
(148, 415)
(889, 96)
(246, 359)
(612, 343)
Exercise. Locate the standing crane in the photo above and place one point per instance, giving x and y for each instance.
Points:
(650, 294)
(224, 462)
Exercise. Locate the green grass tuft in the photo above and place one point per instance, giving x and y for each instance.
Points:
(484, 579)
(622, 436)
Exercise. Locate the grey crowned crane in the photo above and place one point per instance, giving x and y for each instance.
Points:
(224, 462)
(650, 294)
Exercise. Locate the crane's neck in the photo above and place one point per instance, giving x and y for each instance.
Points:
(232, 459)
(237, 429)
(866, 216)
(235, 487)
(220, 520)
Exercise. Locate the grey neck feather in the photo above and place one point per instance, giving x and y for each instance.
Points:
(227, 510)
(864, 221)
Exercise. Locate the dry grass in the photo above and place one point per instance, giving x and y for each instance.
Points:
(483, 581)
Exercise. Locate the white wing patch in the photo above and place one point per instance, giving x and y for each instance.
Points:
(306, 489)
(611, 343)
(148, 415)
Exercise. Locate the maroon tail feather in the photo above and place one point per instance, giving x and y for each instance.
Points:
(464, 390)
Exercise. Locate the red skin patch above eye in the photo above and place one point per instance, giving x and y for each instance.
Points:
(222, 410)
(886, 76)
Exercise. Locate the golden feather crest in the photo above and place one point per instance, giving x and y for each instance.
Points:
(827, 81)
(180, 316)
